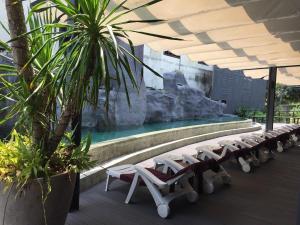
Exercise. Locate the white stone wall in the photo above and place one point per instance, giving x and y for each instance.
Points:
(166, 64)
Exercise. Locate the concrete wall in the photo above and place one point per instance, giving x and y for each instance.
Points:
(192, 71)
(238, 90)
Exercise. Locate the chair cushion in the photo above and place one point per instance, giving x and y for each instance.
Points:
(197, 168)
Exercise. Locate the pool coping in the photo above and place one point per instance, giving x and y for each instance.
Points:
(108, 150)
(164, 131)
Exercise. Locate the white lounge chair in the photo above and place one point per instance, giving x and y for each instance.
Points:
(285, 138)
(261, 146)
(293, 130)
(157, 183)
(248, 157)
(223, 153)
(212, 177)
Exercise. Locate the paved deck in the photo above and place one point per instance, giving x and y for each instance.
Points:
(269, 196)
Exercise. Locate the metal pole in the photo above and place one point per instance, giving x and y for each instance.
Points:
(271, 98)
(76, 127)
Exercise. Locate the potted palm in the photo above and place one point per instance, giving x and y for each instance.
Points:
(69, 52)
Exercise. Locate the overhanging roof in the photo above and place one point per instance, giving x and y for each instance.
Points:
(233, 34)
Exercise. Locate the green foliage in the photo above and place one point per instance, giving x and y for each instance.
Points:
(248, 113)
(21, 161)
(295, 110)
(68, 157)
(90, 44)
(71, 61)
(241, 112)
(24, 100)
(287, 94)
(18, 160)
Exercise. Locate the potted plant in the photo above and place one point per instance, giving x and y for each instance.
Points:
(70, 51)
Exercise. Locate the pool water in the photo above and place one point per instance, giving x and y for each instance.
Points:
(100, 136)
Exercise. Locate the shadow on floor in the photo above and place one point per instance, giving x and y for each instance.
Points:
(269, 196)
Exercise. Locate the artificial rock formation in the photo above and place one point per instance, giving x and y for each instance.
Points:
(177, 101)
(119, 113)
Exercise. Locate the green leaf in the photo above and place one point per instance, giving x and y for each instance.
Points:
(5, 46)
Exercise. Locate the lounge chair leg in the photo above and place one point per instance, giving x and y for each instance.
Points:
(163, 210)
(279, 147)
(254, 160)
(208, 185)
(132, 188)
(294, 138)
(191, 195)
(108, 182)
(265, 154)
(225, 176)
(245, 166)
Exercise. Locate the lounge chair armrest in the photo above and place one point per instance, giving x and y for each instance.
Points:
(226, 142)
(149, 176)
(209, 154)
(258, 138)
(172, 165)
(189, 159)
(207, 147)
(269, 135)
(168, 162)
(231, 147)
(180, 177)
(275, 134)
(244, 144)
(250, 141)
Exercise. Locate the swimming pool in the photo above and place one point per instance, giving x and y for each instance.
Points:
(100, 136)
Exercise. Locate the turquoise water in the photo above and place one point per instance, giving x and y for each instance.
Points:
(99, 136)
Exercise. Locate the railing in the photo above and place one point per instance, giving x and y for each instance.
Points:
(280, 117)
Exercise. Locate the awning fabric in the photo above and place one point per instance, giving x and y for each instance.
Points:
(233, 34)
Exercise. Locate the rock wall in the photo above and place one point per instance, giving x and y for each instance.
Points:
(179, 101)
(180, 95)
(119, 113)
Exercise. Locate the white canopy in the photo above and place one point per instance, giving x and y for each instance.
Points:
(234, 34)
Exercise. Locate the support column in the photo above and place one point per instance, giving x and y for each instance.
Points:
(76, 127)
(271, 98)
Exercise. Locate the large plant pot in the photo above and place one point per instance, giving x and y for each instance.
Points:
(26, 208)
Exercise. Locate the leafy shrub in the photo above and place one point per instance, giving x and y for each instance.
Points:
(21, 161)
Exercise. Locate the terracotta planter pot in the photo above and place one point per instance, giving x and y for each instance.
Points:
(26, 208)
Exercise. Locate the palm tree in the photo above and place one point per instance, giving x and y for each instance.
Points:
(21, 54)
(90, 55)
(60, 64)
